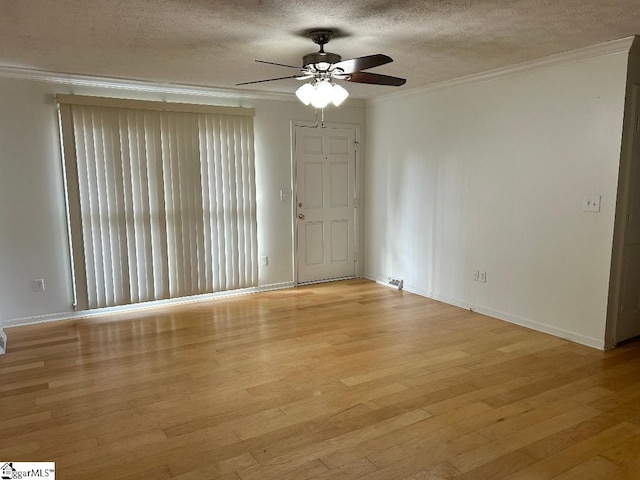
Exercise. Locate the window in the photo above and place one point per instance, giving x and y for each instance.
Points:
(161, 199)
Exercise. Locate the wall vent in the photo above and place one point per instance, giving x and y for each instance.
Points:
(389, 281)
(3, 342)
(395, 283)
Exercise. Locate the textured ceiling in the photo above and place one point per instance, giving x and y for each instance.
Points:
(214, 43)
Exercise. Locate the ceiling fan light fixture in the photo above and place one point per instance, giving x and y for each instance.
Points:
(321, 93)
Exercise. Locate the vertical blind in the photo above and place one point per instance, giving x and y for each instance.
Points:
(162, 203)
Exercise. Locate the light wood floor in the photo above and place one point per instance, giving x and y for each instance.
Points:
(335, 381)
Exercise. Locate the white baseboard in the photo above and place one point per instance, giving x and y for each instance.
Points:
(507, 317)
(515, 319)
(541, 327)
(53, 317)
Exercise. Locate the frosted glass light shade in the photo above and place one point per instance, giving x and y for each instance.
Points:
(338, 94)
(322, 94)
(305, 93)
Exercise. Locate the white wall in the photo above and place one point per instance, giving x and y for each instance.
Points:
(485, 176)
(33, 241)
(491, 176)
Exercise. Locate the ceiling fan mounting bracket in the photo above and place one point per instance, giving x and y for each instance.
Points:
(321, 37)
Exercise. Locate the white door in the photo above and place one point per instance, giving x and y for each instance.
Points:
(628, 325)
(325, 203)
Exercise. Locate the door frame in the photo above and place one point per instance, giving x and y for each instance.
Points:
(358, 203)
(631, 123)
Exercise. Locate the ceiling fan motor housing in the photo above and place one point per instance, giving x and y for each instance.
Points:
(316, 58)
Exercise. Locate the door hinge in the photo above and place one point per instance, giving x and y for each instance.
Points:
(355, 146)
(355, 256)
(355, 203)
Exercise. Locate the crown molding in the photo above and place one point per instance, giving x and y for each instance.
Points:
(134, 85)
(622, 45)
(149, 87)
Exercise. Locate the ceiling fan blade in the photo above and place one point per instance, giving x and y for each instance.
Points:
(267, 80)
(376, 79)
(363, 63)
(278, 64)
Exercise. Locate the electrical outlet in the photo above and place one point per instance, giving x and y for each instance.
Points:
(482, 276)
(264, 260)
(476, 275)
(591, 203)
(285, 195)
(38, 285)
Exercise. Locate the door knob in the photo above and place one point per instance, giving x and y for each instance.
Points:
(301, 216)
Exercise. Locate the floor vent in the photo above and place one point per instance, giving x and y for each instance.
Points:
(3, 342)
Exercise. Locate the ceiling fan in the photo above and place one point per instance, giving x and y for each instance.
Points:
(322, 68)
